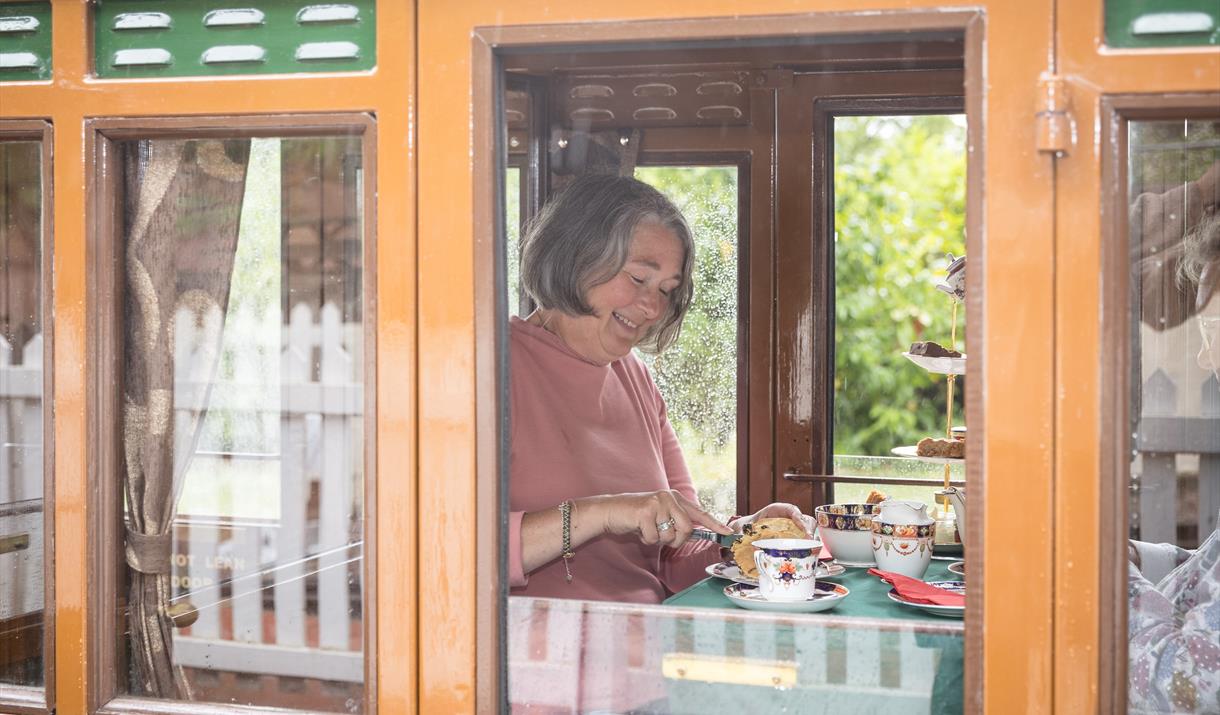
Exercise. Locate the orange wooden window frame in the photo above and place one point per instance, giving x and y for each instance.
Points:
(67, 101)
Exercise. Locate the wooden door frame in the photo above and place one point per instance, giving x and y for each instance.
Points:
(490, 371)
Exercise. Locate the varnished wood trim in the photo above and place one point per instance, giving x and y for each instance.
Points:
(369, 305)
(491, 418)
(735, 29)
(1115, 368)
(975, 80)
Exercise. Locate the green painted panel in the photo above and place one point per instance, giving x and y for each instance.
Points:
(1162, 23)
(25, 41)
(180, 38)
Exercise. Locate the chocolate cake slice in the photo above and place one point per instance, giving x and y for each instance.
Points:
(931, 349)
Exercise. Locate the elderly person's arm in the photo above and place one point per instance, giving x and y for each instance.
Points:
(540, 534)
(1174, 647)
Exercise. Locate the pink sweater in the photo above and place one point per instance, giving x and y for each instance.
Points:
(580, 429)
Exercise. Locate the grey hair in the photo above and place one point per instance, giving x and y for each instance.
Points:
(580, 240)
(1200, 247)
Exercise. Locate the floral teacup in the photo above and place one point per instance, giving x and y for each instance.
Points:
(786, 568)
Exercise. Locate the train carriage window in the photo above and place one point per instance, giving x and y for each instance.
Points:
(241, 432)
(1172, 582)
(899, 220)
(731, 136)
(698, 374)
(21, 413)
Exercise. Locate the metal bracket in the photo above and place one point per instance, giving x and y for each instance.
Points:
(1056, 127)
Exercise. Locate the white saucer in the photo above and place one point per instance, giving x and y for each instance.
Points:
(959, 568)
(911, 452)
(942, 365)
(934, 609)
(729, 570)
(826, 596)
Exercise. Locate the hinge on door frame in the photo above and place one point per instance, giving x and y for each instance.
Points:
(1056, 127)
(770, 79)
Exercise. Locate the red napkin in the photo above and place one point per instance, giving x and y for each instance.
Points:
(917, 591)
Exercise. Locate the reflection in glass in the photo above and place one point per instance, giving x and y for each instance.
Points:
(512, 235)
(697, 375)
(1174, 577)
(242, 426)
(21, 414)
(585, 656)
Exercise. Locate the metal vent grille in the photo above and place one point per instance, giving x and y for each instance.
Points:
(595, 103)
(1162, 23)
(173, 38)
(25, 41)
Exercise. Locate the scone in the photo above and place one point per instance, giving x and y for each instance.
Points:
(875, 497)
(951, 448)
(773, 528)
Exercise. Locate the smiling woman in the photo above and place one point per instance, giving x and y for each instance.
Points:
(609, 263)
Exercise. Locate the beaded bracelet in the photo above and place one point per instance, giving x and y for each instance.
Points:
(565, 513)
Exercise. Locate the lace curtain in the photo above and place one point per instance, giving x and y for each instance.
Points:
(183, 205)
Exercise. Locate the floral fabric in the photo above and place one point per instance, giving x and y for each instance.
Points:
(1174, 630)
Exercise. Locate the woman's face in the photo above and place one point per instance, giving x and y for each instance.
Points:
(631, 302)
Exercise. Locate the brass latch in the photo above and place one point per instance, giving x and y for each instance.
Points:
(1055, 125)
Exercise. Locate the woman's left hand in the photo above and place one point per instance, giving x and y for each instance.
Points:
(778, 509)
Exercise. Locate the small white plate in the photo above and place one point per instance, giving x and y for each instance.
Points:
(934, 609)
(910, 452)
(942, 365)
(729, 570)
(826, 596)
(959, 568)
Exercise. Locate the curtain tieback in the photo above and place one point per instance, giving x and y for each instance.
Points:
(149, 553)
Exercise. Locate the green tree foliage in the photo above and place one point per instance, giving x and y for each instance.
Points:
(899, 211)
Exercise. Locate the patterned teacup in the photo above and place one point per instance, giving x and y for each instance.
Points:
(786, 568)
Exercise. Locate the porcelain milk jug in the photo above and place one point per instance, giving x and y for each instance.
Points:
(902, 537)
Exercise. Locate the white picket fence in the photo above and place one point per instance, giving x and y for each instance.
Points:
(276, 571)
(297, 389)
(21, 589)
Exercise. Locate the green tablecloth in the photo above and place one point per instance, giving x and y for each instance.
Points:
(867, 598)
(861, 686)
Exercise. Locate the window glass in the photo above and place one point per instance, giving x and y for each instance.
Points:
(21, 414)
(1174, 585)
(243, 420)
(512, 234)
(698, 374)
(899, 216)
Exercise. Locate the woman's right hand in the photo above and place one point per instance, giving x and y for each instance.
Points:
(644, 513)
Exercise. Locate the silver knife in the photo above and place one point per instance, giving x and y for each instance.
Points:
(726, 541)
